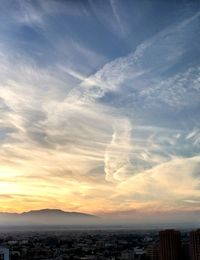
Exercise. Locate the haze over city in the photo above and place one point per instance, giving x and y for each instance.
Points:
(100, 108)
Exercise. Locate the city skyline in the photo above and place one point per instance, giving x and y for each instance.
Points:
(100, 108)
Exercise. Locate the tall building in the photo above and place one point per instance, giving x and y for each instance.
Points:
(100, 244)
(170, 245)
(152, 252)
(4, 253)
(127, 255)
(195, 244)
(185, 251)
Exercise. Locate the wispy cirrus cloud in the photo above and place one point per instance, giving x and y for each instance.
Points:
(108, 132)
(117, 161)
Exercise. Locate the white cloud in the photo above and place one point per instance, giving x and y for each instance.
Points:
(143, 69)
(116, 15)
(29, 15)
(194, 136)
(57, 129)
(167, 184)
(117, 161)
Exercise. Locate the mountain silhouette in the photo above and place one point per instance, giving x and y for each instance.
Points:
(47, 217)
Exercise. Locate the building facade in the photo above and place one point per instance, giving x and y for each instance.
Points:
(170, 245)
(152, 252)
(4, 253)
(195, 244)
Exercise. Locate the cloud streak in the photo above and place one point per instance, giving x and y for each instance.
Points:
(80, 128)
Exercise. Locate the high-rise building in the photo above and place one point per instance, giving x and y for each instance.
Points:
(195, 244)
(4, 253)
(170, 245)
(185, 251)
(100, 244)
(127, 255)
(152, 252)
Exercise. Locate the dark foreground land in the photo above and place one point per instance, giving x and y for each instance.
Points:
(83, 244)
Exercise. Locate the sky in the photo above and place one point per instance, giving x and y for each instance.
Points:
(100, 107)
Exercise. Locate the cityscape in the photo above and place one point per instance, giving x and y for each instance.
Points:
(99, 129)
(101, 244)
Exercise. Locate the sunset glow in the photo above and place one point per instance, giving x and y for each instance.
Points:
(100, 107)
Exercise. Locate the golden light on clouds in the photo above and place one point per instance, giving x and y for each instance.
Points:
(87, 128)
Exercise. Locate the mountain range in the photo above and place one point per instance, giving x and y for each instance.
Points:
(47, 217)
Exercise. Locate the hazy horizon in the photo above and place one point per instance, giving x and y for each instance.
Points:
(100, 108)
(57, 217)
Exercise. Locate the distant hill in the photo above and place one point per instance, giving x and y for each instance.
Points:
(47, 217)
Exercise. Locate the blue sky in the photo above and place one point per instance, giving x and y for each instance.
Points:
(100, 106)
